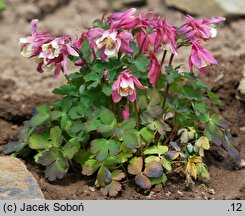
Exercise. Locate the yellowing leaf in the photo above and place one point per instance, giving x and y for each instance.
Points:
(90, 167)
(135, 166)
(184, 138)
(195, 160)
(191, 169)
(201, 144)
(205, 142)
(117, 175)
(152, 158)
(111, 189)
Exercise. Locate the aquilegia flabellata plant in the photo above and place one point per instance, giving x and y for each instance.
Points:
(127, 111)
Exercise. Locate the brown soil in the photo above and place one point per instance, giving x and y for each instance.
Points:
(226, 182)
(21, 89)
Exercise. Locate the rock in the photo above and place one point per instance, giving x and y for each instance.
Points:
(134, 2)
(92, 189)
(121, 4)
(241, 88)
(180, 193)
(211, 191)
(150, 195)
(242, 163)
(16, 182)
(242, 129)
(225, 8)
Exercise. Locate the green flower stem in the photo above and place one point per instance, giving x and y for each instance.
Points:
(166, 90)
(174, 130)
(136, 111)
(157, 137)
(66, 76)
(142, 45)
(113, 106)
(81, 56)
(168, 84)
(131, 107)
(171, 59)
(119, 112)
(125, 172)
(166, 95)
(163, 58)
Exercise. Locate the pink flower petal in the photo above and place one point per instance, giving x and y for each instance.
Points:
(132, 97)
(116, 97)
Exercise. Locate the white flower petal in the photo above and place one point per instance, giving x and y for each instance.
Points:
(213, 32)
(123, 92)
(26, 51)
(110, 52)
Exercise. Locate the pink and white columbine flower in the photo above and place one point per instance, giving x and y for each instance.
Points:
(145, 40)
(123, 20)
(109, 42)
(165, 36)
(51, 53)
(125, 86)
(203, 29)
(31, 45)
(200, 57)
(54, 55)
(153, 68)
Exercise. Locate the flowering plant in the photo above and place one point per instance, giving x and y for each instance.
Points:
(127, 112)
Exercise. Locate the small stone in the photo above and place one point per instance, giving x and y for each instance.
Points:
(168, 193)
(180, 193)
(150, 195)
(240, 95)
(211, 191)
(242, 163)
(14, 127)
(242, 129)
(92, 189)
(121, 4)
(16, 182)
(134, 2)
(203, 186)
